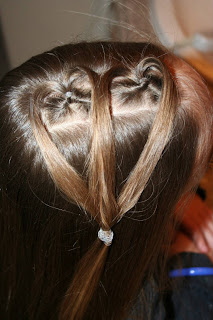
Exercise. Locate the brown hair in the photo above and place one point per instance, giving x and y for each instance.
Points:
(94, 135)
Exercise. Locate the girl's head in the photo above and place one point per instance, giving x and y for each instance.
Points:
(95, 135)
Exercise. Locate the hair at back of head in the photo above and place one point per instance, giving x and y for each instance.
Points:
(94, 135)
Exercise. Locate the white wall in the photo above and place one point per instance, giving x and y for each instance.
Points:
(33, 26)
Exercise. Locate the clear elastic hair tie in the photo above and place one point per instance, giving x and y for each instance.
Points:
(68, 94)
(106, 236)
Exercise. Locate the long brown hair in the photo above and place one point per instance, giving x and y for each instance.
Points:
(94, 135)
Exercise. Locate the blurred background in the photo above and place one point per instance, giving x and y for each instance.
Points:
(28, 27)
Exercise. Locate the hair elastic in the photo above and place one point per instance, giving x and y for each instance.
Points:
(106, 236)
(191, 272)
(68, 94)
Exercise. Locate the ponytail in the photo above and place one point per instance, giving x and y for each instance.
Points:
(98, 196)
